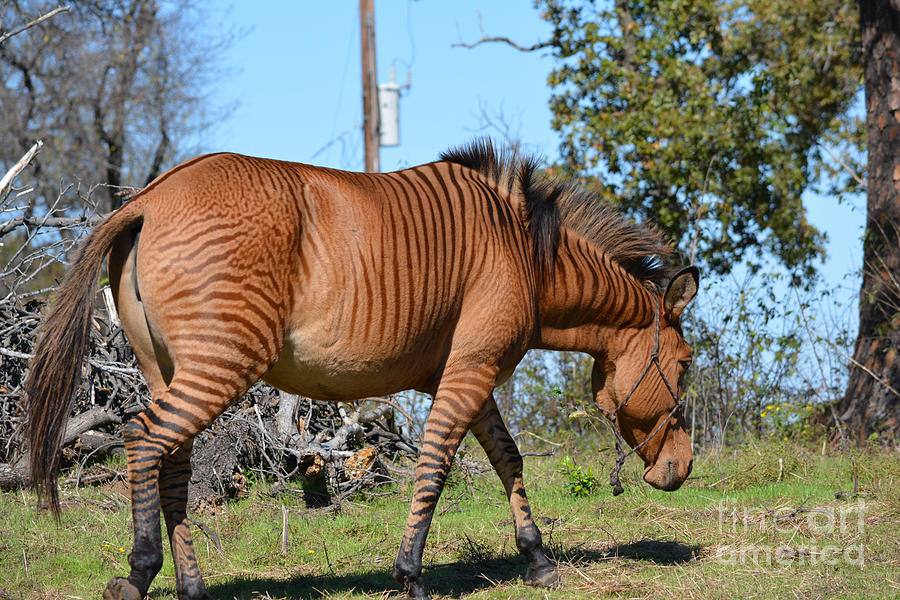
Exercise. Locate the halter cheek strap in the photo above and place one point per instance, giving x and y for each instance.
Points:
(621, 455)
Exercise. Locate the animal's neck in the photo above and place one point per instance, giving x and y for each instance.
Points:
(589, 298)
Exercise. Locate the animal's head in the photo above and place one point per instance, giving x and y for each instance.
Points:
(647, 418)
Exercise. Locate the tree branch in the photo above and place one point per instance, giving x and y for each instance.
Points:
(94, 417)
(853, 362)
(40, 19)
(485, 38)
(159, 156)
(837, 159)
(12, 478)
(19, 167)
(504, 40)
(55, 222)
(626, 24)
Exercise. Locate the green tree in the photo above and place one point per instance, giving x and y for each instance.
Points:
(711, 118)
(708, 117)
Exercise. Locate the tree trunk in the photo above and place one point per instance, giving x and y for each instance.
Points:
(871, 403)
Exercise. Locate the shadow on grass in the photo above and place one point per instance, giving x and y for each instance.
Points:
(450, 579)
(661, 552)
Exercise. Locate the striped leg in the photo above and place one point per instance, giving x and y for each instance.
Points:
(491, 432)
(145, 452)
(458, 399)
(152, 437)
(173, 489)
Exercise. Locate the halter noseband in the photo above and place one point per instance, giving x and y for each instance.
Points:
(621, 455)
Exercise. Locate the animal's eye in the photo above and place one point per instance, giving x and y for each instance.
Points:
(685, 363)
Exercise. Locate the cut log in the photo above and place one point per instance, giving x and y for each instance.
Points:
(12, 478)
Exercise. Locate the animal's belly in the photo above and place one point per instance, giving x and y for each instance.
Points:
(349, 371)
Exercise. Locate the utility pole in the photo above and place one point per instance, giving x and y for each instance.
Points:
(369, 85)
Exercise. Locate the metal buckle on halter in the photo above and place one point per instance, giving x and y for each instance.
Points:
(621, 455)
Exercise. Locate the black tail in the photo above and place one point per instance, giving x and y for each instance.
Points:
(56, 366)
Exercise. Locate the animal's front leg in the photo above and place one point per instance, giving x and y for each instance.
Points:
(460, 396)
(501, 450)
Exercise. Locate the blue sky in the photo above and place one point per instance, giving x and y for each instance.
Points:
(295, 75)
(298, 79)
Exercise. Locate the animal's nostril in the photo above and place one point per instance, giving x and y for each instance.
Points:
(690, 466)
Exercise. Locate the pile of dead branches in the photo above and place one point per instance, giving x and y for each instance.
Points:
(325, 450)
(111, 392)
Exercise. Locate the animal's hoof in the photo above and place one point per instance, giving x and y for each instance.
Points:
(121, 589)
(545, 576)
(193, 589)
(417, 590)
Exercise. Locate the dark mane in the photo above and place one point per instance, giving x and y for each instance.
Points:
(551, 203)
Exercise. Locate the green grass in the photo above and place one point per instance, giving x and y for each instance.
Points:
(751, 536)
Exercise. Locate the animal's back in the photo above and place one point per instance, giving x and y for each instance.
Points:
(359, 279)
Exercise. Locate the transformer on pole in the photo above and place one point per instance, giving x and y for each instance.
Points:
(389, 109)
(381, 103)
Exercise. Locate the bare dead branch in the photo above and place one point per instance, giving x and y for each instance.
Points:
(12, 478)
(14, 354)
(52, 222)
(210, 533)
(94, 417)
(19, 166)
(485, 38)
(37, 21)
(698, 211)
(504, 40)
(393, 404)
(838, 160)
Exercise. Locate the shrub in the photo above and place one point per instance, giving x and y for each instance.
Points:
(580, 483)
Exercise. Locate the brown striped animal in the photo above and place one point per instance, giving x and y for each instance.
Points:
(339, 285)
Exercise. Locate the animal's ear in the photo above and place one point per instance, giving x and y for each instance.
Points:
(681, 290)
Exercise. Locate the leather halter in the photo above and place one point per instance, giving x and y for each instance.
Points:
(621, 455)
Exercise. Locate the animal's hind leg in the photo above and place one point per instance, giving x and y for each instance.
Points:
(491, 432)
(191, 402)
(173, 488)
